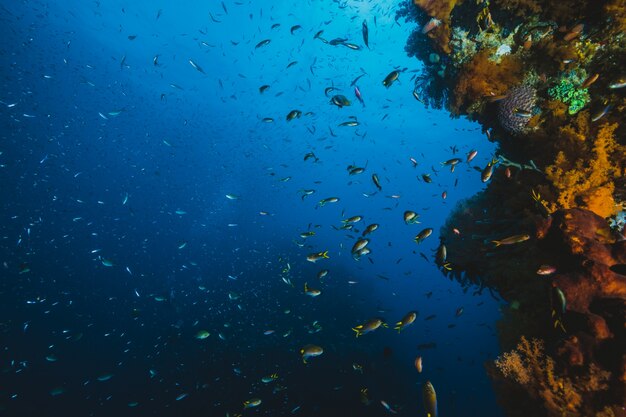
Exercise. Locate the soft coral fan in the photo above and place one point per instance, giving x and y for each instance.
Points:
(522, 98)
(589, 181)
(529, 366)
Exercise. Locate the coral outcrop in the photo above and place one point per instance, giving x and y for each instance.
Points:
(547, 81)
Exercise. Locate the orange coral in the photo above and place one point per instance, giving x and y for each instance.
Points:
(440, 37)
(587, 180)
(480, 78)
(529, 366)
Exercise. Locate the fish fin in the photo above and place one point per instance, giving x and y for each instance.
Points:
(560, 324)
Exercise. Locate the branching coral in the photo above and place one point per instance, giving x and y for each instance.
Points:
(588, 181)
(529, 366)
(481, 78)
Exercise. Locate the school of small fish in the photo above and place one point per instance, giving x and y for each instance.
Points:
(362, 233)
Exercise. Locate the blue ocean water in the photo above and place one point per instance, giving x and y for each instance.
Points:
(145, 200)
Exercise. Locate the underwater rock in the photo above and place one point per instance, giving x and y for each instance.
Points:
(595, 319)
(515, 109)
(583, 248)
(590, 247)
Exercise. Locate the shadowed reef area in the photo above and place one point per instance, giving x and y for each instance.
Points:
(547, 81)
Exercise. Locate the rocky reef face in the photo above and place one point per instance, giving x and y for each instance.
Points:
(547, 81)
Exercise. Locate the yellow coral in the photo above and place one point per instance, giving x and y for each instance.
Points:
(585, 178)
(512, 366)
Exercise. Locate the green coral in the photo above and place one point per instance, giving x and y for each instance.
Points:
(569, 92)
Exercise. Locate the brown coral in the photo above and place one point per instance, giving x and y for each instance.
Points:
(481, 78)
(529, 366)
(562, 12)
(441, 10)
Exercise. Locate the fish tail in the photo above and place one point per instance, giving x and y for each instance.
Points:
(325, 254)
(559, 323)
(306, 287)
(496, 242)
(358, 332)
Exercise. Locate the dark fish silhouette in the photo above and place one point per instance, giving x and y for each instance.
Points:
(365, 34)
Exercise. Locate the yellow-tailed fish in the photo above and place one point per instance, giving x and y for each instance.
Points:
(406, 321)
(269, 378)
(390, 78)
(311, 292)
(252, 403)
(410, 217)
(325, 201)
(369, 326)
(511, 240)
(423, 235)
(314, 257)
(430, 399)
(310, 351)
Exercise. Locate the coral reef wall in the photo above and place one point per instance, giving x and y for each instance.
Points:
(547, 81)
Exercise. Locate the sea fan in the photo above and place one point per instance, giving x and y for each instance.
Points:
(514, 109)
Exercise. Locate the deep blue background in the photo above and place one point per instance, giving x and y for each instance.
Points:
(65, 172)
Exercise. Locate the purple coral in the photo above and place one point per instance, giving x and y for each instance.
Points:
(515, 108)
